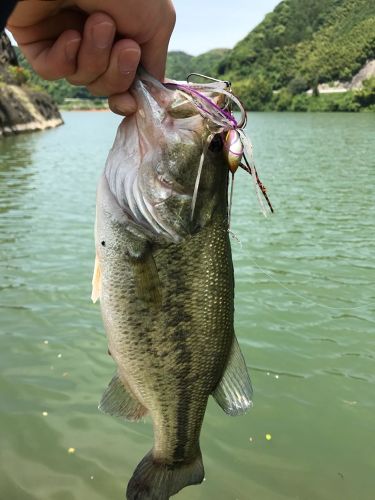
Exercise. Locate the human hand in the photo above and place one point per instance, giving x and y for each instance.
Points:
(71, 39)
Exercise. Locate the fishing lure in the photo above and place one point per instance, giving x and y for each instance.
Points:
(234, 151)
(220, 119)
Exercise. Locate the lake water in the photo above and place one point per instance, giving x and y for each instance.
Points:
(305, 318)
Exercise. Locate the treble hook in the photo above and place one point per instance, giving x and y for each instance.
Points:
(228, 84)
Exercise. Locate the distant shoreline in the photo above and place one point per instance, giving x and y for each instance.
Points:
(77, 104)
(90, 110)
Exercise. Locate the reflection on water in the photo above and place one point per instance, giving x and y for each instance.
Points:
(304, 316)
(16, 169)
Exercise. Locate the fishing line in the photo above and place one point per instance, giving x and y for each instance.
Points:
(256, 187)
(307, 299)
(199, 173)
(222, 119)
(235, 237)
(230, 201)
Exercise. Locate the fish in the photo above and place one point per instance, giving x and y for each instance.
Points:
(164, 278)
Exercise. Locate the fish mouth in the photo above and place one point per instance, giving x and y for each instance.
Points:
(175, 187)
(152, 99)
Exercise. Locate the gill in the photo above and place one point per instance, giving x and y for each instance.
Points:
(237, 147)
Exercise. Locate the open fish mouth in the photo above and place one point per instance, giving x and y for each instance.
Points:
(156, 168)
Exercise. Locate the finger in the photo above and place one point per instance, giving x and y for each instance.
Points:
(54, 59)
(95, 50)
(154, 52)
(121, 71)
(154, 59)
(49, 28)
(122, 104)
(29, 13)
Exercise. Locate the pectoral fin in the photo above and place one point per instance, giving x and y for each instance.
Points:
(234, 392)
(118, 402)
(96, 282)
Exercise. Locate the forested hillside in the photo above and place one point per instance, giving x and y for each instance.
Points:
(180, 64)
(318, 40)
(300, 44)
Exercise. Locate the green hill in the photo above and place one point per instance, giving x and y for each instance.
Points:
(297, 46)
(317, 40)
(180, 64)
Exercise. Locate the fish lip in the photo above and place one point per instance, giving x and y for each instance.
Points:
(149, 109)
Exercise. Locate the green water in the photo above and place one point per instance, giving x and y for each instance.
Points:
(304, 316)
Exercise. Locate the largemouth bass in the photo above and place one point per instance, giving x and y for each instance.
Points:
(165, 283)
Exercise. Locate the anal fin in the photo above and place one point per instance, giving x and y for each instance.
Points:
(234, 391)
(118, 402)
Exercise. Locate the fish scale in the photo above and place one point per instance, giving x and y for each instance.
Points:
(196, 321)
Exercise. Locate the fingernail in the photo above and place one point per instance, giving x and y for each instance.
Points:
(71, 49)
(102, 34)
(128, 60)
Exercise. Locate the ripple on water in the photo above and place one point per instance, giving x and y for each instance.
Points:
(304, 317)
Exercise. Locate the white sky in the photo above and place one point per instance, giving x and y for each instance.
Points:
(208, 24)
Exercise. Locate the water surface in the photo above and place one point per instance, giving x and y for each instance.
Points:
(305, 319)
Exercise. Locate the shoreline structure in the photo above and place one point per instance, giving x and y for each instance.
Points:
(22, 108)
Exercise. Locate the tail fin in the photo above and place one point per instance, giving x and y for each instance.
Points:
(153, 480)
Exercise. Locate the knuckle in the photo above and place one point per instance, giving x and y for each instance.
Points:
(110, 86)
(95, 90)
(75, 81)
(45, 72)
(46, 76)
(78, 79)
(83, 76)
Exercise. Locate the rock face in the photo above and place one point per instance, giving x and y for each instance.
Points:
(22, 109)
(368, 71)
(7, 53)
